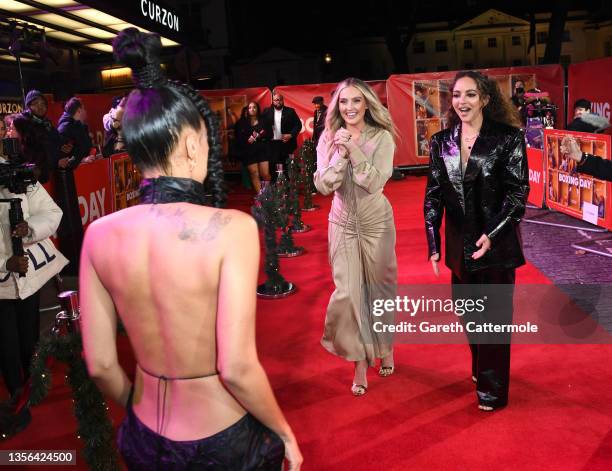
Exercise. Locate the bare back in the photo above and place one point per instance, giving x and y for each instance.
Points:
(161, 266)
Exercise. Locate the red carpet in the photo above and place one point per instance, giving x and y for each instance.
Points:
(423, 417)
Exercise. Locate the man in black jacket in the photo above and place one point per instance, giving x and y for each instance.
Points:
(584, 120)
(286, 126)
(73, 130)
(318, 120)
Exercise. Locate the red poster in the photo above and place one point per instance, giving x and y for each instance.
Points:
(300, 98)
(568, 191)
(228, 105)
(94, 190)
(535, 158)
(124, 181)
(418, 103)
(591, 80)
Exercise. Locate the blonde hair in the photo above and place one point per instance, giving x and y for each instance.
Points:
(375, 114)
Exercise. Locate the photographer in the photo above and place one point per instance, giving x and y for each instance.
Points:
(22, 275)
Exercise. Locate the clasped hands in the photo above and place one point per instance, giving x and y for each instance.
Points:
(484, 244)
(342, 140)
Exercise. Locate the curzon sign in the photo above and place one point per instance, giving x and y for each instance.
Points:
(161, 15)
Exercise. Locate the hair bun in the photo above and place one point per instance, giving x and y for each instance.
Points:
(140, 51)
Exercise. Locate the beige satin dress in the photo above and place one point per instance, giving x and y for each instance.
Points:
(361, 243)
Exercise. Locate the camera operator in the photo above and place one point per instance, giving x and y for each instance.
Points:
(22, 275)
(47, 136)
(73, 131)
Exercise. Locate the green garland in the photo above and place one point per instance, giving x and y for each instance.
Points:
(94, 425)
(308, 157)
(293, 201)
(266, 213)
(286, 244)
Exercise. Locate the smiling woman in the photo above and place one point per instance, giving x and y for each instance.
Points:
(478, 175)
(354, 161)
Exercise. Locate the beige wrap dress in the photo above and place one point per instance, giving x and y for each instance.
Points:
(361, 243)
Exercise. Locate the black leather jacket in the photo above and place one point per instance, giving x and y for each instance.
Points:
(490, 199)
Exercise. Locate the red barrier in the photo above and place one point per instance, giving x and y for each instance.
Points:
(591, 80)
(417, 122)
(535, 158)
(575, 193)
(93, 190)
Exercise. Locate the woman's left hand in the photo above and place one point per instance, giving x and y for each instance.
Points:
(485, 245)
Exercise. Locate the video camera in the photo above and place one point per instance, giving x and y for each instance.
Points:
(14, 175)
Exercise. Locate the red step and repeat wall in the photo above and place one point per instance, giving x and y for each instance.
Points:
(591, 80)
(418, 103)
(571, 192)
(300, 98)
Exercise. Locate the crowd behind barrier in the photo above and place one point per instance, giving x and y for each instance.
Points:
(417, 103)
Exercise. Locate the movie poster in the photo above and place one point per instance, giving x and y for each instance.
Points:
(125, 180)
(568, 190)
(228, 110)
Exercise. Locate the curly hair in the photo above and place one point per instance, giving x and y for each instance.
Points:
(499, 108)
(158, 109)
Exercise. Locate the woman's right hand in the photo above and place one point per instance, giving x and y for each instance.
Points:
(435, 258)
(293, 455)
(341, 139)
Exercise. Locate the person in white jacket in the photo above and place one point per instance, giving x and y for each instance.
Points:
(19, 295)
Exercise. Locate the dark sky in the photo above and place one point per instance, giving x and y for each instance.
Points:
(319, 25)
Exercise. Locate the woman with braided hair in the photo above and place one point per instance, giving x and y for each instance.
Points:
(182, 280)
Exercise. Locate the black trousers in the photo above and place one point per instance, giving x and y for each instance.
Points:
(19, 333)
(490, 351)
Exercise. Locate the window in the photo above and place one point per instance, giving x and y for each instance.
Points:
(516, 62)
(441, 45)
(492, 42)
(467, 44)
(566, 36)
(516, 40)
(542, 37)
(418, 47)
(442, 68)
(469, 65)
